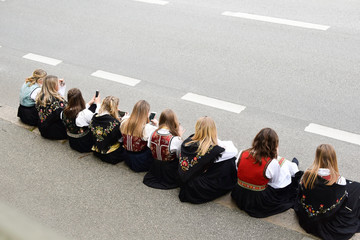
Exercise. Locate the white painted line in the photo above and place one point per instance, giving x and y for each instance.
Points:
(158, 2)
(212, 102)
(38, 58)
(116, 78)
(333, 133)
(276, 20)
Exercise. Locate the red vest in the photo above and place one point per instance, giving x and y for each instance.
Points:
(251, 175)
(133, 144)
(160, 146)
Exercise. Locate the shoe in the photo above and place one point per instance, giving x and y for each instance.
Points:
(295, 161)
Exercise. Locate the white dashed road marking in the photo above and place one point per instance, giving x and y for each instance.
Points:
(212, 102)
(116, 78)
(333, 133)
(158, 2)
(39, 58)
(276, 20)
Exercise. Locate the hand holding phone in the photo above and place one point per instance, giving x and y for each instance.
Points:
(152, 116)
(61, 82)
(96, 93)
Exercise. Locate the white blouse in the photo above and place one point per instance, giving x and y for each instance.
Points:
(230, 150)
(84, 117)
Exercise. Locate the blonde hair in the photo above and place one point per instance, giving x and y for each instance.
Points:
(205, 134)
(134, 126)
(49, 91)
(38, 74)
(110, 104)
(325, 157)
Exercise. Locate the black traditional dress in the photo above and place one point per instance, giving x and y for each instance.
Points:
(329, 212)
(50, 125)
(139, 155)
(80, 138)
(106, 135)
(163, 173)
(202, 178)
(255, 196)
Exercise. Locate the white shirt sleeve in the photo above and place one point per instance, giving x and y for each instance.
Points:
(62, 90)
(237, 159)
(35, 93)
(175, 145)
(280, 175)
(148, 129)
(230, 150)
(341, 181)
(84, 117)
(149, 140)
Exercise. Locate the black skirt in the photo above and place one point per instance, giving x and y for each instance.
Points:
(28, 115)
(82, 144)
(163, 175)
(114, 157)
(55, 131)
(139, 161)
(219, 179)
(343, 224)
(268, 202)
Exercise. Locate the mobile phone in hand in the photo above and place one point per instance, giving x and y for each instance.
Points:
(97, 93)
(121, 113)
(152, 115)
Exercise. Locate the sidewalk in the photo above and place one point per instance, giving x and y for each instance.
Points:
(83, 198)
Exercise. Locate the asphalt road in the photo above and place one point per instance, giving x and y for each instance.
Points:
(286, 76)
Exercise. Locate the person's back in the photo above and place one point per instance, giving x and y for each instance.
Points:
(267, 185)
(28, 92)
(50, 104)
(251, 174)
(328, 205)
(206, 164)
(76, 117)
(105, 128)
(136, 131)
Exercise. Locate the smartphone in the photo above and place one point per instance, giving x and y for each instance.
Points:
(121, 113)
(97, 93)
(152, 115)
(61, 82)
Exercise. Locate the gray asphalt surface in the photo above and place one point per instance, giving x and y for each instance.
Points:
(287, 77)
(83, 198)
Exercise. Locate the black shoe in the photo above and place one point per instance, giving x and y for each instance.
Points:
(295, 161)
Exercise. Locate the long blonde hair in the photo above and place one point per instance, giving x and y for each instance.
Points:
(205, 134)
(134, 126)
(110, 104)
(325, 157)
(49, 91)
(38, 74)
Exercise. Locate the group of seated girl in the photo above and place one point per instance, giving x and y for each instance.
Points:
(261, 182)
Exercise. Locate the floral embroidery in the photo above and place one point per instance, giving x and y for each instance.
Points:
(312, 212)
(186, 164)
(45, 112)
(100, 132)
(71, 127)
